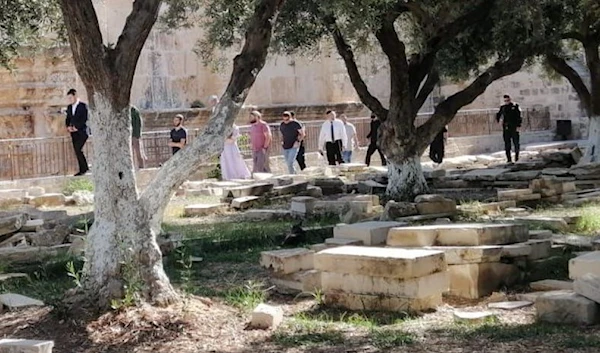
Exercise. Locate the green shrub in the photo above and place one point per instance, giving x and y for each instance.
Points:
(78, 184)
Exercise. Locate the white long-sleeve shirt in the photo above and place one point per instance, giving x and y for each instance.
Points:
(339, 132)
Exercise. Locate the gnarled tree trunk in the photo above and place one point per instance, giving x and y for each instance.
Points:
(592, 151)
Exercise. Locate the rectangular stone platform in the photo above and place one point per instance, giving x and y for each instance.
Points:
(584, 264)
(457, 235)
(380, 262)
(370, 233)
(460, 255)
(9, 345)
(351, 301)
(287, 261)
(474, 281)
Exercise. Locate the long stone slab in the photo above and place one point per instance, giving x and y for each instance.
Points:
(457, 235)
(30, 254)
(370, 233)
(366, 302)
(550, 285)
(565, 307)
(200, 210)
(421, 287)
(473, 281)
(249, 190)
(584, 264)
(9, 345)
(484, 174)
(287, 261)
(588, 286)
(380, 262)
(298, 282)
(460, 255)
(15, 301)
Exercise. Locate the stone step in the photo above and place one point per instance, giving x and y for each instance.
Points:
(370, 233)
(9, 345)
(291, 189)
(342, 242)
(367, 302)
(550, 285)
(473, 281)
(380, 262)
(457, 235)
(245, 202)
(307, 281)
(49, 200)
(588, 286)
(460, 255)
(287, 261)
(421, 287)
(566, 307)
(200, 210)
(249, 190)
(582, 265)
(303, 204)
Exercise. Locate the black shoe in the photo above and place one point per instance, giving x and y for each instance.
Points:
(81, 173)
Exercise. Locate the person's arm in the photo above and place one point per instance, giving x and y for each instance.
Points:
(322, 138)
(355, 137)
(499, 115)
(268, 136)
(301, 134)
(519, 117)
(344, 136)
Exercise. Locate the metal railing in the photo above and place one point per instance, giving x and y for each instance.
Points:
(44, 157)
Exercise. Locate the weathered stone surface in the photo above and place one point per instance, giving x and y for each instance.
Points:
(430, 198)
(340, 207)
(313, 191)
(573, 240)
(9, 345)
(35, 191)
(200, 210)
(513, 194)
(12, 194)
(288, 260)
(540, 234)
(557, 223)
(484, 174)
(298, 282)
(459, 255)
(15, 301)
(9, 225)
(367, 302)
(380, 262)
(83, 198)
(520, 176)
(588, 286)
(371, 187)
(49, 200)
(395, 210)
(473, 317)
(370, 233)
(77, 244)
(516, 250)
(510, 305)
(51, 234)
(320, 247)
(515, 211)
(582, 265)
(329, 186)
(266, 316)
(245, 202)
(31, 254)
(342, 242)
(489, 207)
(32, 225)
(438, 207)
(421, 287)
(565, 307)
(303, 204)
(540, 248)
(457, 235)
(7, 276)
(249, 190)
(373, 199)
(291, 189)
(474, 281)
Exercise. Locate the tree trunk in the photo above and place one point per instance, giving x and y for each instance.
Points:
(592, 152)
(405, 179)
(121, 251)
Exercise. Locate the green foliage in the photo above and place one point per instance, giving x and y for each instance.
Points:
(246, 297)
(78, 184)
(74, 274)
(215, 173)
(588, 222)
(390, 338)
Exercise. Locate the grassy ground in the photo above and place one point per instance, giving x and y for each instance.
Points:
(217, 271)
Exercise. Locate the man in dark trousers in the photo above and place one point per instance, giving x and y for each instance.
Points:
(333, 138)
(510, 118)
(178, 134)
(76, 122)
(375, 123)
(300, 157)
(437, 149)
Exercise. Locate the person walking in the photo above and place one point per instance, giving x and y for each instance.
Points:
(76, 122)
(300, 158)
(437, 148)
(333, 137)
(178, 134)
(292, 135)
(352, 139)
(137, 125)
(510, 118)
(233, 165)
(260, 140)
(373, 146)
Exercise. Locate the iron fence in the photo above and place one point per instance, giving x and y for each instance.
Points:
(44, 157)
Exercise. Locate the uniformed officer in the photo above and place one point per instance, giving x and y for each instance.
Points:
(510, 118)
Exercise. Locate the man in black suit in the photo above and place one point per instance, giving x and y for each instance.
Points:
(373, 145)
(77, 116)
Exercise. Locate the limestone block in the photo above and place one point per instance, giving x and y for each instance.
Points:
(421, 287)
(473, 317)
(49, 200)
(303, 282)
(30, 254)
(32, 225)
(581, 265)
(15, 301)
(484, 174)
(395, 210)
(510, 305)
(588, 286)
(352, 301)
(380, 262)
(374, 199)
(513, 194)
(540, 234)
(83, 198)
(12, 224)
(516, 250)
(9, 345)
(370, 233)
(245, 202)
(287, 261)
(531, 197)
(314, 191)
(457, 235)
(35, 191)
(342, 242)
(291, 189)
(530, 297)
(430, 198)
(371, 187)
(565, 307)
(550, 285)
(557, 223)
(438, 207)
(266, 316)
(474, 281)
(540, 248)
(13, 194)
(320, 247)
(303, 204)
(249, 190)
(200, 210)
(459, 255)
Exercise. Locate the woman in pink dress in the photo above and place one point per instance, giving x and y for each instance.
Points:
(232, 162)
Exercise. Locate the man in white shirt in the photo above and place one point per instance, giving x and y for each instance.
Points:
(333, 137)
(352, 139)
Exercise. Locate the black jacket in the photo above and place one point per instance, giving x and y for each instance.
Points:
(79, 119)
(511, 114)
(373, 134)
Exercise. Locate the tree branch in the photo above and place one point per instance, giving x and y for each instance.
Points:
(246, 67)
(86, 43)
(345, 51)
(432, 80)
(138, 25)
(573, 35)
(559, 65)
(592, 58)
(446, 110)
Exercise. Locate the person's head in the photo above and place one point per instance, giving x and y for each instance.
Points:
(255, 116)
(178, 120)
(72, 96)
(344, 118)
(507, 99)
(330, 114)
(287, 116)
(213, 101)
(373, 116)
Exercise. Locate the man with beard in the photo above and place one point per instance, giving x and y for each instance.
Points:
(178, 134)
(260, 140)
(510, 118)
